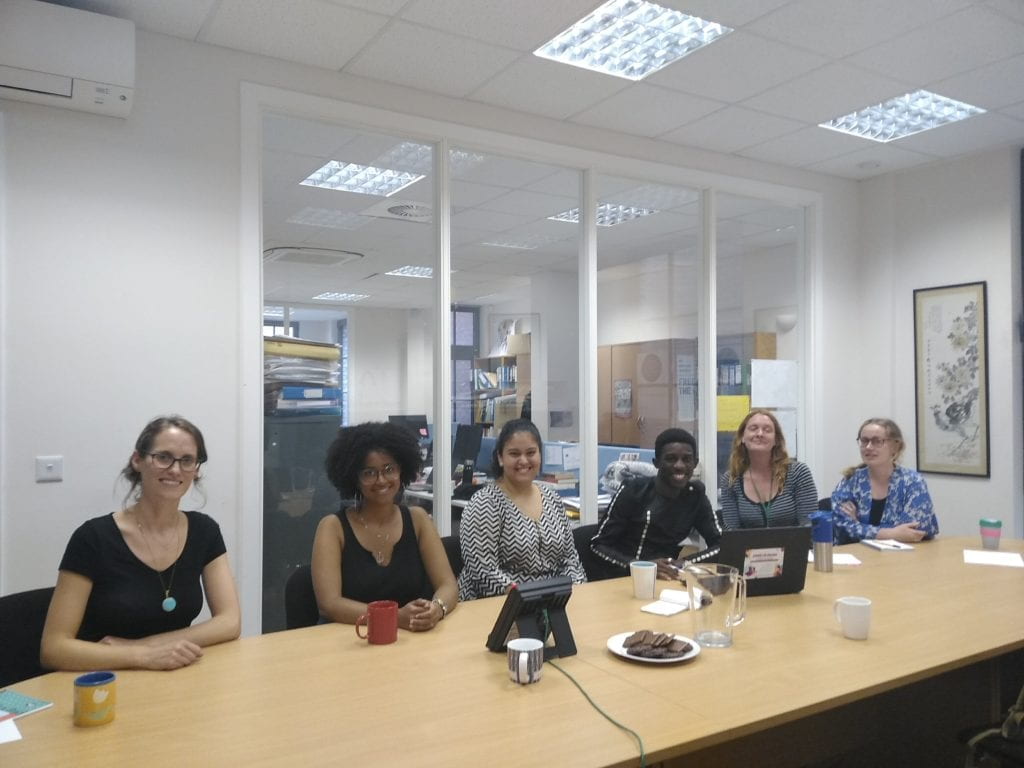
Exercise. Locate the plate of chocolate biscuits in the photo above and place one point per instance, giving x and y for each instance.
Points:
(653, 647)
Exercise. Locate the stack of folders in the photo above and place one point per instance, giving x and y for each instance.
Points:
(300, 376)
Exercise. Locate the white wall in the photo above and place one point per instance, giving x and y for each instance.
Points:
(121, 265)
(377, 363)
(946, 224)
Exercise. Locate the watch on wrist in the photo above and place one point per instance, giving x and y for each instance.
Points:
(441, 605)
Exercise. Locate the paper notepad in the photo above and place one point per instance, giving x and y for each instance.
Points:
(669, 602)
(838, 558)
(18, 704)
(988, 557)
(886, 545)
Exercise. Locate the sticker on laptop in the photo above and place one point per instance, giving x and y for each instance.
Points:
(765, 563)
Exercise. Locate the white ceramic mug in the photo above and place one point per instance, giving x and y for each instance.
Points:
(644, 574)
(525, 660)
(854, 615)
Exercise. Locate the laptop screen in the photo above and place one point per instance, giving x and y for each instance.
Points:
(773, 560)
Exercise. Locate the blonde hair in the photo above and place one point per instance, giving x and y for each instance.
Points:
(739, 461)
(892, 432)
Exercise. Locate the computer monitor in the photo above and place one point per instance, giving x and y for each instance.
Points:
(467, 443)
(417, 424)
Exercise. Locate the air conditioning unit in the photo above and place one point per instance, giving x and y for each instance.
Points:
(66, 58)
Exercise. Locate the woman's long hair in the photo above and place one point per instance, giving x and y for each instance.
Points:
(739, 460)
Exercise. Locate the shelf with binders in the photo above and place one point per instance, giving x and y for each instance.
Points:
(501, 384)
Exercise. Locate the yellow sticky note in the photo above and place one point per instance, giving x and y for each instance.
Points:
(731, 410)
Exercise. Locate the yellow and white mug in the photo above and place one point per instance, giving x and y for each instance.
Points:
(95, 698)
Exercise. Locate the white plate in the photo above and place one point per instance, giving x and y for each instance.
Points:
(615, 646)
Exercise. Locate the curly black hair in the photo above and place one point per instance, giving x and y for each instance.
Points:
(347, 453)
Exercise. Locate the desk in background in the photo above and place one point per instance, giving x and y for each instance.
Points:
(792, 689)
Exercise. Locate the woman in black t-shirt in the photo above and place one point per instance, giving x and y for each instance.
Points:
(132, 582)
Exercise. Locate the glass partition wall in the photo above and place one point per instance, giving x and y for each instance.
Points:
(759, 274)
(350, 247)
(349, 252)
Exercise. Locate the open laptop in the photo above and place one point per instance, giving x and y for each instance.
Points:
(774, 560)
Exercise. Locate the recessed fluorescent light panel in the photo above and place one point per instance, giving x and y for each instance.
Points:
(361, 179)
(903, 116)
(332, 296)
(328, 218)
(269, 311)
(608, 214)
(411, 271)
(630, 39)
(418, 158)
(520, 242)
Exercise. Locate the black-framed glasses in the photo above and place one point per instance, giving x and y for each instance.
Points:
(371, 474)
(874, 442)
(164, 460)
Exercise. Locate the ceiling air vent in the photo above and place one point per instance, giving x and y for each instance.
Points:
(403, 210)
(321, 257)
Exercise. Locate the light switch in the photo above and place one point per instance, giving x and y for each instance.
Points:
(49, 469)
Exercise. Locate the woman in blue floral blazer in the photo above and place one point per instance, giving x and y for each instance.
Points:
(879, 499)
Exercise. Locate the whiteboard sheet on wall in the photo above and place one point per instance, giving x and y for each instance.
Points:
(774, 384)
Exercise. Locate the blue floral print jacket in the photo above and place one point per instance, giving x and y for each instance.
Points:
(908, 501)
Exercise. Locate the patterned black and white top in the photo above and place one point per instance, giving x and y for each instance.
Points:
(502, 546)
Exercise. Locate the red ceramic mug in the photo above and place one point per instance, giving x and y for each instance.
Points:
(381, 622)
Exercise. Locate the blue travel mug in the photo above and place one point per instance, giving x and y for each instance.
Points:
(821, 534)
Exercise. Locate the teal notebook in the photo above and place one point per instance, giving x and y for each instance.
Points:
(18, 704)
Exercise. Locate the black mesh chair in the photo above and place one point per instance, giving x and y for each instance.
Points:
(452, 548)
(22, 615)
(300, 609)
(595, 568)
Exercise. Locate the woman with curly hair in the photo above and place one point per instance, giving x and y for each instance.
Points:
(879, 499)
(379, 549)
(765, 488)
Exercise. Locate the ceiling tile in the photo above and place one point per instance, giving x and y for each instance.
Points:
(430, 60)
(646, 110)
(871, 161)
(179, 19)
(543, 87)
(736, 67)
(1017, 111)
(950, 46)
(310, 32)
(839, 28)
(1014, 9)
(990, 87)
(810, 145)
(531, 204)
(524, 25)
(828, 92)
(983, 131)
(731, 129)
(390, 7)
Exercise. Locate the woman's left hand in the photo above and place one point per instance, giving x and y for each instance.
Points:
(423, 615)
(849, 509)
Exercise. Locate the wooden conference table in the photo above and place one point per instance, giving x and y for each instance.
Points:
(791, 687)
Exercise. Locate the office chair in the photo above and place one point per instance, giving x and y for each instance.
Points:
(454, 552)
(595, 568)
(22, 616)
(300, 609)
(999, 744)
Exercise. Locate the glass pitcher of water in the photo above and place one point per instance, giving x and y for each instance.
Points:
(718, 602)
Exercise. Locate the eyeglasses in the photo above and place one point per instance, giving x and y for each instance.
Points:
(371, 474)
(164, 460)
(874, 442)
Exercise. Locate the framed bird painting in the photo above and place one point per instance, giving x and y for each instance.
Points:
(951, 376)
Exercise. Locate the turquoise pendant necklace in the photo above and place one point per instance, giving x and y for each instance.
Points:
(168, 604)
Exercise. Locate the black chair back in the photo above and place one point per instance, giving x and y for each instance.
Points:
(454, 552)
(300, 609)
(593, 566)
(22, 616)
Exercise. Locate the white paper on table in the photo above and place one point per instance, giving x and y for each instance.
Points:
(838, 558)
(988, 557)
(8, 730)
(669, 602)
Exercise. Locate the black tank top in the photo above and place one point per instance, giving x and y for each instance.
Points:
(403, 579)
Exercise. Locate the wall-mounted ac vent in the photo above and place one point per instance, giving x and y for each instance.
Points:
(63, 57)
(403, 210)
(321, 257)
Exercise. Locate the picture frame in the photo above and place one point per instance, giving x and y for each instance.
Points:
(951, 379)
